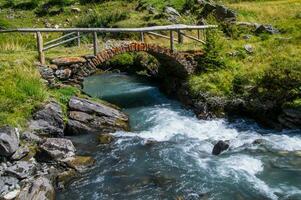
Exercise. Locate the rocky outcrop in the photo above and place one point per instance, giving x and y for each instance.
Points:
(48, 121)
(219, 147)
(9, 140)
(80, 163)
(220, 12)
(88, 116)
(172, 14)
(21, 169)
(56, 149)
(39, 189)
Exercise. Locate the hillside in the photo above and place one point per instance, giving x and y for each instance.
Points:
(230, 72)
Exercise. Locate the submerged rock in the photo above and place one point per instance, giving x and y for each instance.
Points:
(105, 138)
(49, 120)
(219, 147)
(65, 177)
(80, 163)
(39, 189)
(56, 149)
(88, 116)
(9, 140)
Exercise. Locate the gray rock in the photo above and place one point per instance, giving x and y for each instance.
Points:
(30, 137)
(76, 10)
(171, 11)
(46, 72)
(207, 9)
(48, 120)
(249, 48)
(87, 116)
(39, 189)
(21, 169)
(20, 153)
(247, 37)
(266, 29)
(11, 195)
(219, 147)
(63, 74)
(7, 182)
(9, 140)
(223, 13)
(173, 14)
(56, 149)
(91, 107)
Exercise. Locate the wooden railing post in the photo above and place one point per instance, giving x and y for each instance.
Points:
(180, 37)
(198, 33)
(171, 41)
(40, 48)
(78, 39)
(95, 43)
(142, 36)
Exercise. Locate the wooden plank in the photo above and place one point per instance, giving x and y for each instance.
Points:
(112, 30)
(40, 48)
(160, 35)
(171, 41)
(60, 43)
(142, 36)
(60, 38)
(78, 39)
(180, 37)
(193, 38)
(95, 43)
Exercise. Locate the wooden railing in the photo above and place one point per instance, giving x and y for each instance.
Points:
(71, 34)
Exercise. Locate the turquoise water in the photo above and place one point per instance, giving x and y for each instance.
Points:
(167, 154)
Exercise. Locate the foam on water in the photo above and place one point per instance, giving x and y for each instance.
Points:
(184, 144)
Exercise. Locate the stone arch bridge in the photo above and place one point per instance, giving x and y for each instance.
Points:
(73, 69)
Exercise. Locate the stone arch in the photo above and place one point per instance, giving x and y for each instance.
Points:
(176, 62)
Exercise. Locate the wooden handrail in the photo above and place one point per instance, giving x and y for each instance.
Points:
(114, 30)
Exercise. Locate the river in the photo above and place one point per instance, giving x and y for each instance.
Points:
(167, 154)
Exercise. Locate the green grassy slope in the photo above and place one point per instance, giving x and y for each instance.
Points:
(21, 88)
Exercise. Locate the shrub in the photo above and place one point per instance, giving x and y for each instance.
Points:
(281, 82)
(105, 19)
(213, 49)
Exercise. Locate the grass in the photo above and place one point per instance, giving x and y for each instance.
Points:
(21, 88)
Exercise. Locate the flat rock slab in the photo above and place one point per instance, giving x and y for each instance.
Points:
(65, 61)
(88, 116)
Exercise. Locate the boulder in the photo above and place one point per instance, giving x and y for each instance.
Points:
(88, 116)
(67, 61)
(56, 149)
(65, 177)
(266, 29)
(46, 72)
(21, 169)
(223, 13)
(9, 140)
(48, 120)
(290, 118)
(219, 147)
(30, 137)
(39, 189)
(7, 183)
(173, 14)
(208, 8)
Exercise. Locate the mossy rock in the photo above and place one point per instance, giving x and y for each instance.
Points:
(105, 138)
(80, 163)
(65, 177)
